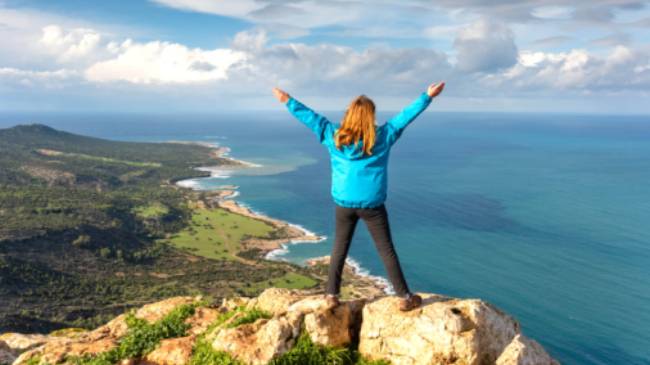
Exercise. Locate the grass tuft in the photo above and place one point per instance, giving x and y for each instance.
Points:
(306, 352)
(251, 316)
(205, 354)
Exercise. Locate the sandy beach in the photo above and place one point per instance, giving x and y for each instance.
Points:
(223, 196)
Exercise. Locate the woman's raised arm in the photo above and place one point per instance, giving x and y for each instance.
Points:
(320, 125)
(399, 122)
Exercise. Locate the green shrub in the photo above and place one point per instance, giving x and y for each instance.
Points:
(305, 352)
(33, 361)
(204, 354)
(251, 316)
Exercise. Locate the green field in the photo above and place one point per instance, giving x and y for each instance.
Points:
(47, 152)
(290, 280)
(153, 210)
(217, 233)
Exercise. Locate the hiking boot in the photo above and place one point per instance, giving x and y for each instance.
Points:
(332, 301)
(411, 302)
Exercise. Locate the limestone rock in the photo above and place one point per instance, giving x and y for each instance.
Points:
(525, 351)
(263, 340)
(156, 311)
(260, 341)
(53, 350)
(333, 327)
(20, 342)
(443, 330)
(201, 320)
(278, 300)
(115, 328)
(232, 303)
(56, 349)
(174, 351)
(151, 313)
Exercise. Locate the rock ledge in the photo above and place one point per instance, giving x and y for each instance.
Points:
(444, 330)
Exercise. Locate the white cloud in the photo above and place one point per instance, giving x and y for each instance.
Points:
(163, 62)
(485, 46)
(622, 69)
(57, 74)
(29, 78)
(553, 12)
(336, 69)
(251, 65)
(73, 45)
(486, 62)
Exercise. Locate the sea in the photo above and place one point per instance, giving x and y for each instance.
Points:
(547, 216)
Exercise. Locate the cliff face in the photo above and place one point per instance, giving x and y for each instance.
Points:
(284, 326)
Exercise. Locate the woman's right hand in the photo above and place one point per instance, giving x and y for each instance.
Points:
(281, 95)
(435, 89)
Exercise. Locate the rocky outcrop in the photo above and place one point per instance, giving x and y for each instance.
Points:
(443, 330)
(293, 312)
(57, 349)
(524, 351)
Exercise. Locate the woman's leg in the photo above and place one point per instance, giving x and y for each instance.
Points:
(346, 221)
(377, 222)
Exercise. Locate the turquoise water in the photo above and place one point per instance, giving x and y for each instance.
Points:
(545, 216)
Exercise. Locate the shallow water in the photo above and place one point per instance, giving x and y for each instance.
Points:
(545, 216)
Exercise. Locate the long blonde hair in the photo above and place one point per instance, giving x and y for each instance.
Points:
(358, 122)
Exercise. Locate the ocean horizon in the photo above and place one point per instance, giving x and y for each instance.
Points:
(543, 215)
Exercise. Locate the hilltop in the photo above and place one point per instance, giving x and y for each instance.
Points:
(283, 326)
(40, 155)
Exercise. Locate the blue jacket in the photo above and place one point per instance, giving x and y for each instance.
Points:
(358, 180)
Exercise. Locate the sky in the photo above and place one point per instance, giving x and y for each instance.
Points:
(580, 56)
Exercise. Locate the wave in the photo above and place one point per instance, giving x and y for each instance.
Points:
(359, 270)
(283, 250)
(277, 254)
(233, 195)
(189, 183)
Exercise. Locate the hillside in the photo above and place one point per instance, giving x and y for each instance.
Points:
(92, 227)
(283, 326)
(42, 155)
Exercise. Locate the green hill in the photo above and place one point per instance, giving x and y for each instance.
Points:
(40, 154)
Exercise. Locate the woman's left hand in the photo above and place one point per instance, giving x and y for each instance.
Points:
(281, 95)
(434, 89)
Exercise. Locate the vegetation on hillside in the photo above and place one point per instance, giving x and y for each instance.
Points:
(92, 227)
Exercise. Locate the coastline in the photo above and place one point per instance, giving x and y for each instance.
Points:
(273, 247)
(353, 269)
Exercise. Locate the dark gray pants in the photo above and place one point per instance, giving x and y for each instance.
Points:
(376, 220)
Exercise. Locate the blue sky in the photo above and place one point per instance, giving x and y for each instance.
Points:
(588, 56)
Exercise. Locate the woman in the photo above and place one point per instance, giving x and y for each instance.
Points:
(359, 152)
